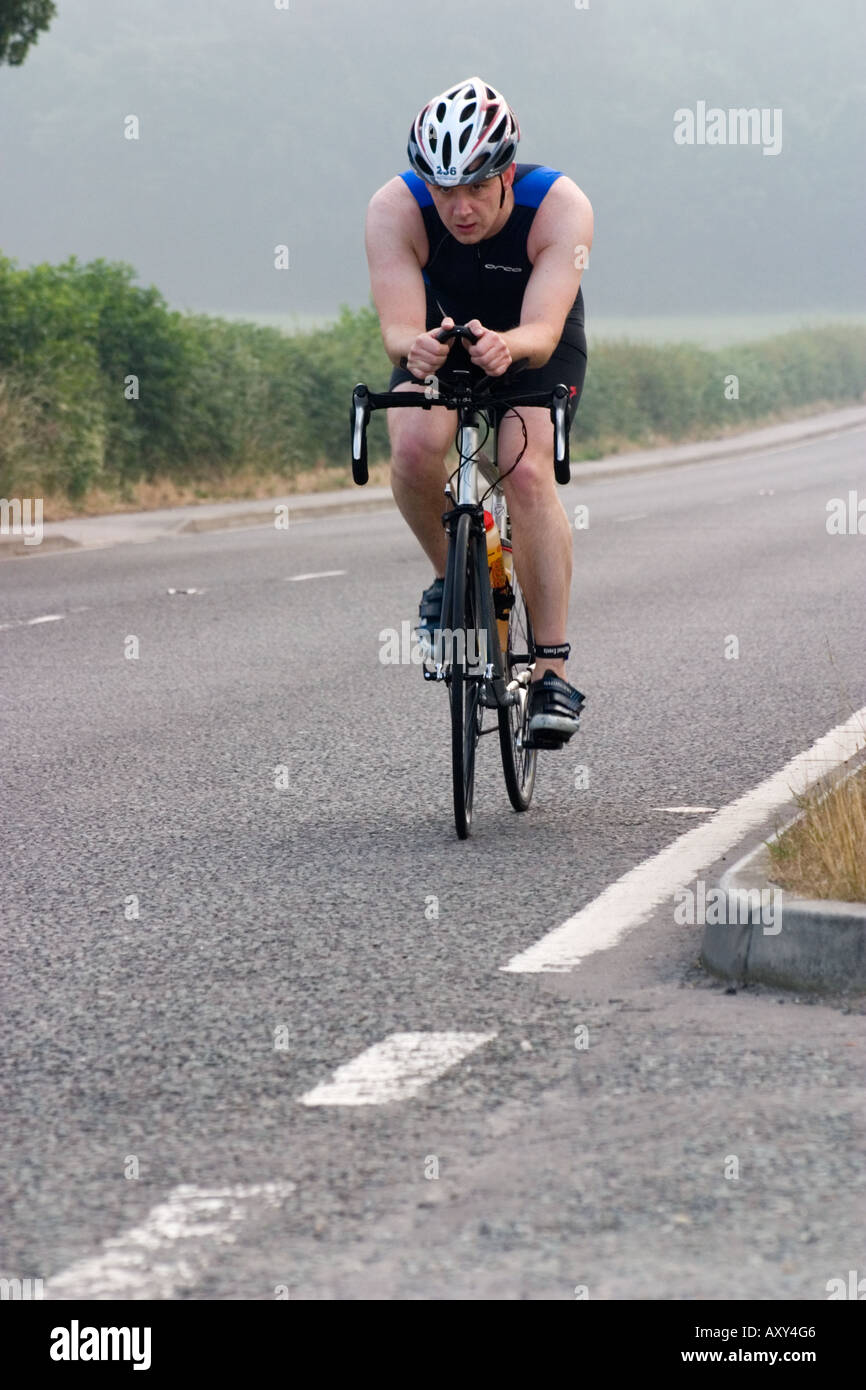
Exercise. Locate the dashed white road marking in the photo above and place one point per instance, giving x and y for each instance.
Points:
(684, 810)
(632, 516)
(395, 1069)
(31, 622)
(172, 1248)
(629, 901)
(321, 574)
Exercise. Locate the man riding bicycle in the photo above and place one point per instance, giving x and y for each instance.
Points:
(468, 236)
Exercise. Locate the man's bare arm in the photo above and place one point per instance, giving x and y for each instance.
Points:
(395, 274)
(563, 227)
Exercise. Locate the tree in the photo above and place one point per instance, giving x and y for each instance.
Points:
(21, 23)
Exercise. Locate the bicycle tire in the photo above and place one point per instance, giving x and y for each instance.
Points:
(464, 688)
(518, 762)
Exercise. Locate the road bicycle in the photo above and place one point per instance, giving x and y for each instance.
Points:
(482, 672)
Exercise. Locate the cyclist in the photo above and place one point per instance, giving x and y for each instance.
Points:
(467, 235)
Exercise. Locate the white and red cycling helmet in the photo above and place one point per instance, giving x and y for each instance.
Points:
(468, 123)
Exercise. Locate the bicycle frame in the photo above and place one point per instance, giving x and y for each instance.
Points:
(470, 488)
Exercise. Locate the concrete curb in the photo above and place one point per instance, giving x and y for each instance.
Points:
(297, 513)
(770, 937)
(11, 547)
(139, 527)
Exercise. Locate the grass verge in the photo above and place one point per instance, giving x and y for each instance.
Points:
(823, 855)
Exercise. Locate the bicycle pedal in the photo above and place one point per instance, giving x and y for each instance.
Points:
(542, 741)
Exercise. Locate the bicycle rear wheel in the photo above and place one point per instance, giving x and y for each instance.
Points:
(467, 668)
(518, 762)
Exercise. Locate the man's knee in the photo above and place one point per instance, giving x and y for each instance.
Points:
(531, 482)
(415, 455)
(419, 442)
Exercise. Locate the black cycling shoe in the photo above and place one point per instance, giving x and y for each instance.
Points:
(430, 614)
(554, 712)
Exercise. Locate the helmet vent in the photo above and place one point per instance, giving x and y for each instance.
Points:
(500, 130)
(464, 138)
(468, 111)
(446, 149)
(440, 111)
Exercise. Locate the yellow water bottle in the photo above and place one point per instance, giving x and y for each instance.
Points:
(498, 578)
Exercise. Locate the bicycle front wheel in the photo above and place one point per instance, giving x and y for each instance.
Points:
(467, 669)
(518, 762)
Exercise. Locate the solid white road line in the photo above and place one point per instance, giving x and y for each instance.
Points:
(172, 1249)
(396, 1068)
(629, 901)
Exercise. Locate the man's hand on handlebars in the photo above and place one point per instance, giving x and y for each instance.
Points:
(489, 352)
(427, 354)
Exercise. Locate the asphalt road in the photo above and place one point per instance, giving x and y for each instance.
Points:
(146, 1044)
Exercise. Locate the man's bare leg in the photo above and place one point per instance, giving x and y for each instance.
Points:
(540, 529)
(420, 440)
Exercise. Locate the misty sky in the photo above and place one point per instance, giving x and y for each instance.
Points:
(260, 126)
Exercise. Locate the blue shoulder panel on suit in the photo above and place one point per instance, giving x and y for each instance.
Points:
(417, 186)
(529, 191)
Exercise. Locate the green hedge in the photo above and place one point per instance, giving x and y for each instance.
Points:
(217, 397)
(637, 392)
